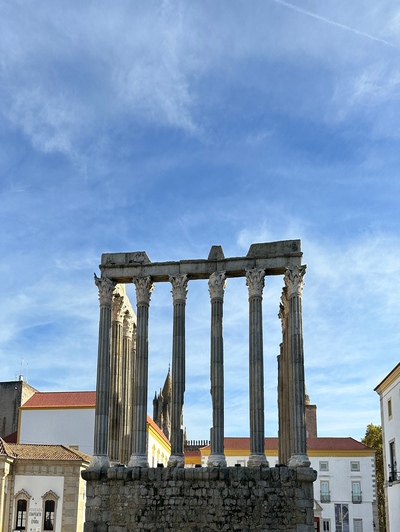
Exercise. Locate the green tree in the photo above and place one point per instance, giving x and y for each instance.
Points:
(373, 438)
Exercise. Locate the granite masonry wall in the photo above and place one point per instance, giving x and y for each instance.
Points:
(122, 499)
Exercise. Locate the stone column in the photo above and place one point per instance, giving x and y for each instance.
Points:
(216, 286)
(179, 292)
(100, 450)
(284, 386)
(255, 283)
(144, 287)
(294, 285)
(117, 318)
(132, 366)
(126, 395)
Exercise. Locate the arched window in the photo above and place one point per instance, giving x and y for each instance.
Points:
(49, 510)
(21, 508)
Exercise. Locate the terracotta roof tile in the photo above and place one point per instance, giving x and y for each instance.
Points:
(313, 444)
(5, 448)
(61, 400)
(24, 451)
(157, 429)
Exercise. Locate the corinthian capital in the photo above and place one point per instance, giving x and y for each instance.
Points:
(216, 285)
(294, 280)
(128, 324)
(255, 282)
(106, 287)
(117, 309)
(179, 287)
(144, 288)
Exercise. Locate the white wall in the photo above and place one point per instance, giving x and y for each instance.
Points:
(340, 478)
(391, 432)
(37, 486)
(69, 426)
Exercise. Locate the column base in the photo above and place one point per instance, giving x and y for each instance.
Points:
(98, 461)
(176, 460)
(216, 460)
(138, 460)
(299, 460)
(257, 460)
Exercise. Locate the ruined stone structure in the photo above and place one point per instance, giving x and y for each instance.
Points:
(265, 498)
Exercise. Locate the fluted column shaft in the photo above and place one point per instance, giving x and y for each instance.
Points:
(216, 286)
(100, 447)
(116, 376)
(294, 284)
(144, 287)
(179, 293)
(255, 283)
(284, 385)
(125, 448)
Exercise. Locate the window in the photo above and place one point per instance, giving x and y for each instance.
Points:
(357, 525)
(356, 492)
(326, 525)
(49, 510)
(325, 494)
(324, 466)
(20, 522)
(355, 466)
(49, 507)
(342, 518)
(22, 499)
(392, 464)
(389, 405)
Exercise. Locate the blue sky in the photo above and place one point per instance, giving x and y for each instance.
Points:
(173, 126)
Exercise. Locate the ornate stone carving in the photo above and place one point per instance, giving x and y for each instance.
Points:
(255, 281)
(283, 309)
(144, 288)
(179, 287)
(217, 284)
(106, 288)
(128, 324)
(294, 280)
(117, 309)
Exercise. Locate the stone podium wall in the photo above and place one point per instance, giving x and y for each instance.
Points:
(121, 499)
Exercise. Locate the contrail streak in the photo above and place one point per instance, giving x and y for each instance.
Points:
(337, 24)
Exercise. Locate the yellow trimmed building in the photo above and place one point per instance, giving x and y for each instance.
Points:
(345, 490)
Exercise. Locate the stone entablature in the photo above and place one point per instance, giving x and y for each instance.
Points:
(278, 499)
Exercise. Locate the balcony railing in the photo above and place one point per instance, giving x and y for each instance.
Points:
(356, 498)
(394, 476)
(325, 497)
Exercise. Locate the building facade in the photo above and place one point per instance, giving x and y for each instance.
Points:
(344, 491)
(41, 488)
(389, 394)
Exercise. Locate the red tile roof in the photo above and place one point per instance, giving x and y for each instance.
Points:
(24, 451)
(61, 400)
(313, 444)
(157, 429)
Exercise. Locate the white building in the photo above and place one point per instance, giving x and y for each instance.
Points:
(344, 492)
(389, 393)
(68, 418)
(41, 488)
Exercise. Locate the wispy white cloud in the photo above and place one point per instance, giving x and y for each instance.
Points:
(333, 23)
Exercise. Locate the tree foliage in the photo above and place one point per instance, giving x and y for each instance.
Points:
(373, 438)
